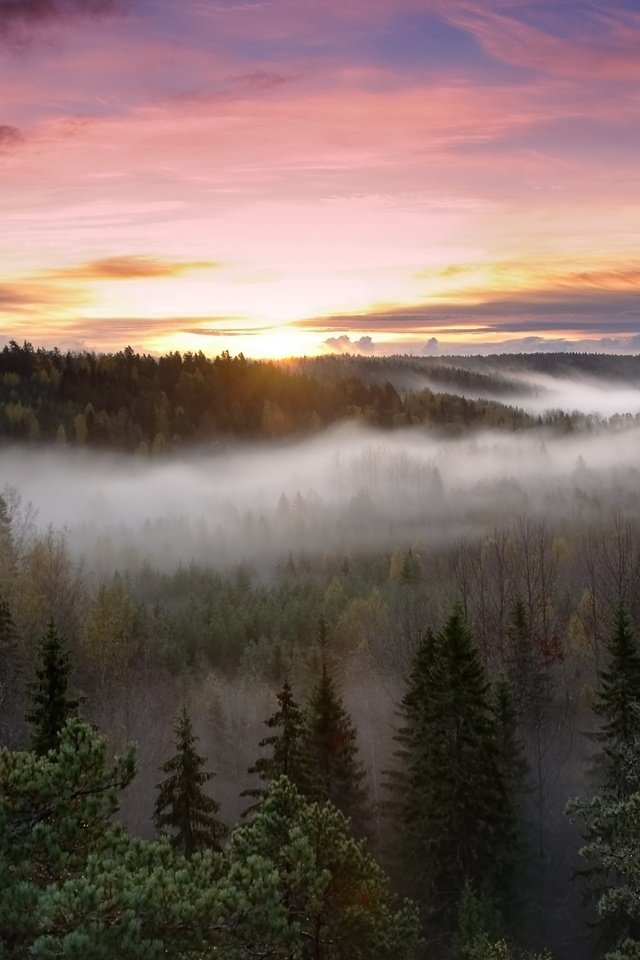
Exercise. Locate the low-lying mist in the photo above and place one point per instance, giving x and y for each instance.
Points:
(348, 490)
(536, 393)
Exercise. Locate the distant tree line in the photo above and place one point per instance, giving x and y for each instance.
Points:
(151, 405)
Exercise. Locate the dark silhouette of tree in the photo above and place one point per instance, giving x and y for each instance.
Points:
(331, 749)
(183, 809)
(286, 755)
(51, 708)
(617, 704)
(457, 797)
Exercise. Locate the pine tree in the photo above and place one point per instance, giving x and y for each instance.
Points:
(286, 756)
(182, 807)
(338, 900)
(51, 707)
(618, 706)
(331, 750)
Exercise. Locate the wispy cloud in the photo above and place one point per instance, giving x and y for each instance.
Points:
(604, 40)
(131, 267)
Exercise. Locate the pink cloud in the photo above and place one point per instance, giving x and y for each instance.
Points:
(603, 43)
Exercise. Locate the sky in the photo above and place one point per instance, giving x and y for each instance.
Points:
(282, 177)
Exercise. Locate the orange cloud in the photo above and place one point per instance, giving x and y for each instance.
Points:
(131, 268)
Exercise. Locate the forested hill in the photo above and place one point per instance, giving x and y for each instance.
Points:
(142, 403)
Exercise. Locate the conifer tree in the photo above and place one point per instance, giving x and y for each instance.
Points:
(397, 779)
(512, 768)
(9, 666)
(617, 768)
(286, 757)
(454, 819)
(8, 632)
(618, 706)
(51, 708)
(182, 807)
(331, 750)
(7, 545)
(532, 686)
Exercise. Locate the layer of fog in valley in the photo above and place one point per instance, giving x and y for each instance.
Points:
(534, 390)
(544, 393)
(348, 490)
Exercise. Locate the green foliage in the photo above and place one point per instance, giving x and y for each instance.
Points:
(512, 771)
(75, 885)
(478, 937)
(286, 746)
(10, 665)
(618, 706)
(337, 898)
(613, 843)
(292, 884)
(330, 744)
(457, 818)
(611, 833)
(182, 807)
(403, 807)
(51, 708)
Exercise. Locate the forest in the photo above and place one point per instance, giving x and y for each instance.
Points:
(155, 405)
(328, 658)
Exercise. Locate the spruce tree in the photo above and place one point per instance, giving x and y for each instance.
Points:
(7, 545)
(9, 668)
(183, 809)
(51, 708)
(512, 768)
(398, 783)
(456, 816)
(617, 705)
(8, 632)
(286, 756)
(331, 750)
(531, 681)
(617, 769)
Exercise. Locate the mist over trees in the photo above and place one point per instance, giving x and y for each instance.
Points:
(363, 695)
(155, 405)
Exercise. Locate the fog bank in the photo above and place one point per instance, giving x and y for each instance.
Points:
(348, 490)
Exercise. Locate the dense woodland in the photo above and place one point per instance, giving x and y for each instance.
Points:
(405, 747)
(154, 405)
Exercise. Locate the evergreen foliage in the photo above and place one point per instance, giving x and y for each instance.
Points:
(337, 898)
(292, 884)
(618, 707)
(182, 807)
(612, 841)
(512, 771)
(458, 805)
(286, 746)
(51, 708)
(75, 885)
(404, 796)
(10, 666)
(331, 750)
